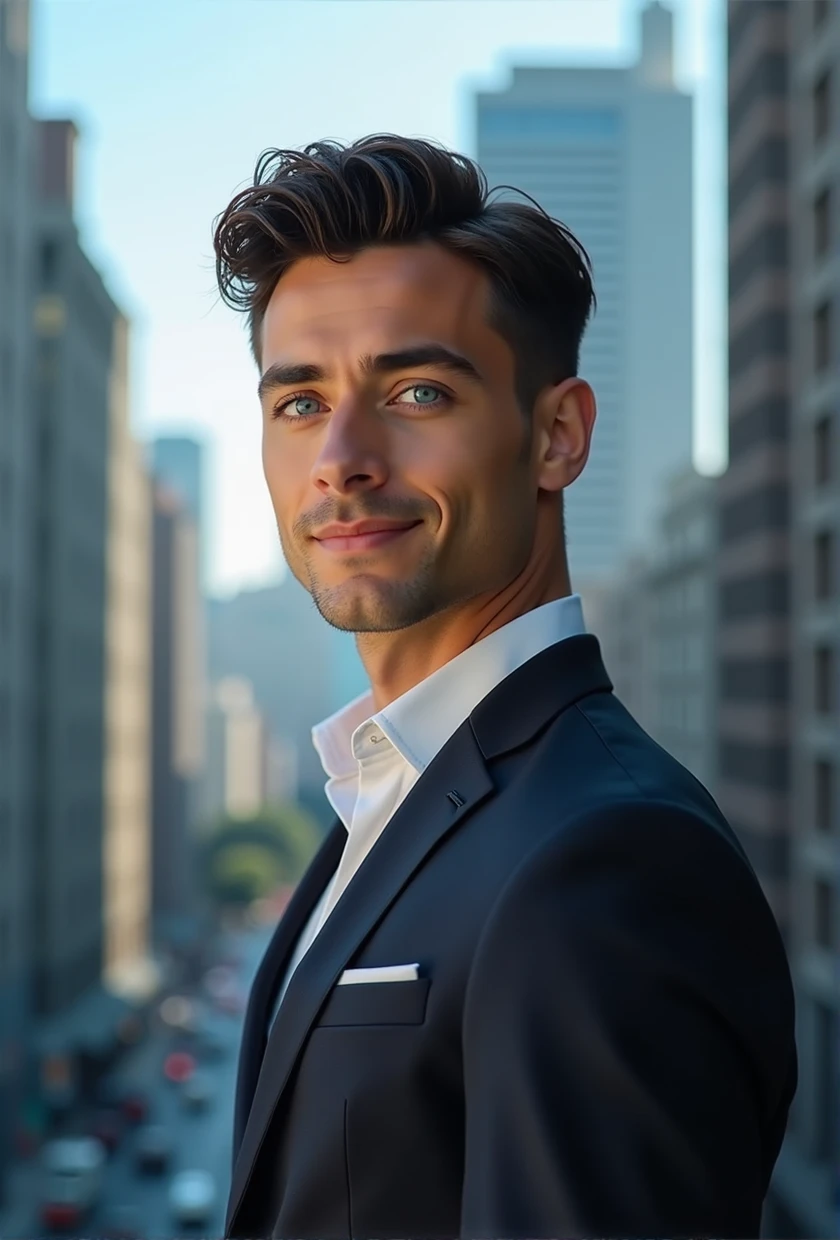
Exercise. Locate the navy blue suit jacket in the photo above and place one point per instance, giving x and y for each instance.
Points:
(601, 1038)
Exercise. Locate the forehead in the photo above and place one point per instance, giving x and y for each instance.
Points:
(389, 293)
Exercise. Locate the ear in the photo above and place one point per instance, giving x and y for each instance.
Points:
(564, 418)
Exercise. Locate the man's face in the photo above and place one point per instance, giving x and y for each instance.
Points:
(396, 455)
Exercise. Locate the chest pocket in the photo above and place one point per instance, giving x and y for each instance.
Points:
(376, 1003)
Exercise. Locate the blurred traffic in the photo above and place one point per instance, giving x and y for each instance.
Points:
(149, 1154)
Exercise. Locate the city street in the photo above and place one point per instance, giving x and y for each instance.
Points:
(200, 1138)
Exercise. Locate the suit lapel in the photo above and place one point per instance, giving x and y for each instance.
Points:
(458, 769)
(272, 969)
(454, 784)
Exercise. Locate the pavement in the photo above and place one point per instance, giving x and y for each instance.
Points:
(201, 1139)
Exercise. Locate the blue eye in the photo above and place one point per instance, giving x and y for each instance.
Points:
(424, 395)
(296, 408)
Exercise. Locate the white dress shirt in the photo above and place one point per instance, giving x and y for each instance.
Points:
(372, 761)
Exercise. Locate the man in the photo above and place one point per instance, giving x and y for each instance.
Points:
(529, 986)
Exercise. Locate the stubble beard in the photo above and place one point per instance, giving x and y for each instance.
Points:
(368, 603)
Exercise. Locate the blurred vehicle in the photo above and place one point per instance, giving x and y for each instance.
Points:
(192, 1198)
(122, 1223)
(153, 1150)
(107, 1127)
(197, 1091)
(178, 1066)
(73, 1170)
(135, 1106)
(129, 1100)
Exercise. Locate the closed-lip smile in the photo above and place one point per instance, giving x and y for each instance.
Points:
(362, 535)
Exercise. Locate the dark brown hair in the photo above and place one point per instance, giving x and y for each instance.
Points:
(333, 201)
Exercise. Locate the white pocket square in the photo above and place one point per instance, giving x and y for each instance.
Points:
(383, 973)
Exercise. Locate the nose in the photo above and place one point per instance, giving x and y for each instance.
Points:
(352, 455)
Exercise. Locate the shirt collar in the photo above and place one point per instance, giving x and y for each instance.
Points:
(420, 722)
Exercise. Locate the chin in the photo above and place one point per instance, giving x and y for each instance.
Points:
(363, 608)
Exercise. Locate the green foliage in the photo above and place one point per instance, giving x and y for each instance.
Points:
(245, 859)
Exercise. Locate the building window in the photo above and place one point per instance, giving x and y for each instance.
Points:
(824, 674)
(824, 914)
(822, 223)
(822, 336)
(822, 108)
(823, 795)
(823, 451)
(824, 565)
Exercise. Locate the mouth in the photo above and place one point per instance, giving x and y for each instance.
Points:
(367, 536)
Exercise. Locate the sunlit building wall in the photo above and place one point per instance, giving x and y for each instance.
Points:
(609, 152)
(127, 772)
(237, 752)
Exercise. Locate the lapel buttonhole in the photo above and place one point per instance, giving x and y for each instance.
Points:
(456, 799)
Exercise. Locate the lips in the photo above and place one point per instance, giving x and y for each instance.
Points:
(363, 535)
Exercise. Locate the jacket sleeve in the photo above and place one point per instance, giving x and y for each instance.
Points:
(628, 1038)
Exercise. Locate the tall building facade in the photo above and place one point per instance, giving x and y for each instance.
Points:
(75, 321)
(657, 622)
(236, 778)
(128, 666)
(18, 493)
(178, 461)
(176, 711)
(609, 152)
(780, 532)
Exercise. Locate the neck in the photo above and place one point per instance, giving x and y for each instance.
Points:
(396, 662)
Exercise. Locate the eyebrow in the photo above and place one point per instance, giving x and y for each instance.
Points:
(288, 374)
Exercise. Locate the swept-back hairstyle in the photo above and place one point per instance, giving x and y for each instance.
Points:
(332, 201)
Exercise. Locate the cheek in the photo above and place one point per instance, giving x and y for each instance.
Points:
(285, 475)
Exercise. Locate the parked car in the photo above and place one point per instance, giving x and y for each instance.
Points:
(72, 1170)
(153, 1150)
(192, 1198)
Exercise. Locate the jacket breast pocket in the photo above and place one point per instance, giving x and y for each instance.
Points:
(376, 1003)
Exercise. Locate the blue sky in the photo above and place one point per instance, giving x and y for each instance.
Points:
(176, 99)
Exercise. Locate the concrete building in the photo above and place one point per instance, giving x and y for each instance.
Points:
(683, 589)
(17, 500)
(177, 711)
(780, 533)
(301, 669)
(178, 462)
(128, 663)
(609, 152)
(74, 384)
(236, 776)
(657, 623)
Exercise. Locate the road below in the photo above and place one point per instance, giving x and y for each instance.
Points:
(201, 1139)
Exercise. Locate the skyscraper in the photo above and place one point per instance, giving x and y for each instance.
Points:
(177, 711)
(779, 591)
(609, 152)
(178, 462)
(18, 495)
